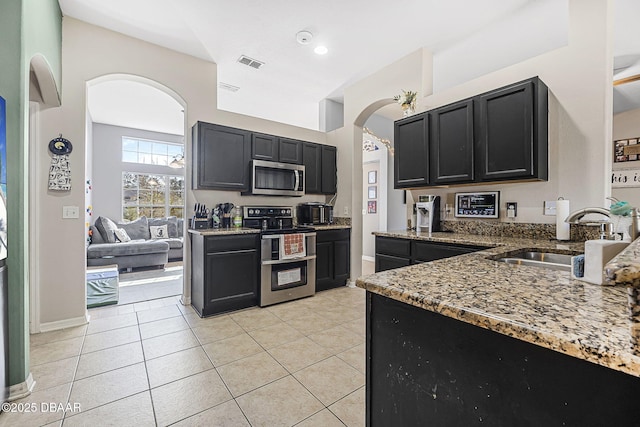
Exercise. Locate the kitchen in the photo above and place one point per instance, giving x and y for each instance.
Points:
(578, 119)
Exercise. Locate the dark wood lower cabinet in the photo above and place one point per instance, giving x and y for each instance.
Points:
(333, 265)
(224, 272)
(426, 369)
(395, 253)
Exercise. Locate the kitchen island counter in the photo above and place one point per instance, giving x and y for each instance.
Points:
(533, 304)
(470, 340)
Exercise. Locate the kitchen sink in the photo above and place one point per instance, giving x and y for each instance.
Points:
(539, 259)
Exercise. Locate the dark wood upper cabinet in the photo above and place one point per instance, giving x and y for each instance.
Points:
(501, 135)
(329, 170)
(264, 147)
(312, 161)
(513, 132)
(452, 143)
(411, 159)
(220, 158)
(290, 151)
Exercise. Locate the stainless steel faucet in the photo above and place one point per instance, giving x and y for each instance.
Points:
(606, 231)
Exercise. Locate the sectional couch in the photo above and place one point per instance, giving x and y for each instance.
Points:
(145, 242)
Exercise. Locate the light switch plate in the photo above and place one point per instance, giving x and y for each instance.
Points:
(70, 212)
(550, 207)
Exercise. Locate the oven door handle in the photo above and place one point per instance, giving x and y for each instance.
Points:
(277, 236)
(288, 260)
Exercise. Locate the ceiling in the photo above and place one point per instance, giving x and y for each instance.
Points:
(362, 36)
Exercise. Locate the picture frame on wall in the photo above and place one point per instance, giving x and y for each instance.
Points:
(373, 177)
(373, 192)
(626, 150)
(372, 207)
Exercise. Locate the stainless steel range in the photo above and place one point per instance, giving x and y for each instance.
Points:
(287, 254)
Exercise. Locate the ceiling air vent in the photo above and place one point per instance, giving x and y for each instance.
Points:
(227, 86)
(253, 63)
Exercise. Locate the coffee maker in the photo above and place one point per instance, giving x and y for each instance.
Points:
(428, 214)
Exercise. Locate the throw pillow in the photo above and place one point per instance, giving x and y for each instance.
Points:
(121, 235)
(138, 229)
(158, 231)
(171, 222)
(106, 227)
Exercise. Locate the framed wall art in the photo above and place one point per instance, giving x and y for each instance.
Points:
(626, 150)
(373, 177)
(372, 207)
(373, 192)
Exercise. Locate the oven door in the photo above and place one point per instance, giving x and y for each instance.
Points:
(288, 275)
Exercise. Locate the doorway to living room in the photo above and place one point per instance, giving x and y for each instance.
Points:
(135, 191)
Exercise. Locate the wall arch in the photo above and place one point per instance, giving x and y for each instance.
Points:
(42, 84)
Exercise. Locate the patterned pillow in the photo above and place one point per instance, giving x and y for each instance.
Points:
(121, 235)
(171, 223)
(159, 231)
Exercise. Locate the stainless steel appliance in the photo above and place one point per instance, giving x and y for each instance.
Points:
(287, 254)
(428, 214)
(315, 213)
(477, 205)
(276, 179)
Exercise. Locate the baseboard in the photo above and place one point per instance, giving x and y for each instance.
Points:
(185, 300)
(23, 389)
(368, 258)
(63, 324)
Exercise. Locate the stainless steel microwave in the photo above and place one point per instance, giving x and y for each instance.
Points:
(276, 179)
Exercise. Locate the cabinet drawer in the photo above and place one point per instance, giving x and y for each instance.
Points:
(427, 251)
(332, 235)
(386, 262)
(235, 242)
(390, 246)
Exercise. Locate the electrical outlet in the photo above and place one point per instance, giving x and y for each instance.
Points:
(550, 207)
(512, 209)
(345, 211)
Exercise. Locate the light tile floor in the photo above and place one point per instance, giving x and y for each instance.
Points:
(299, 363)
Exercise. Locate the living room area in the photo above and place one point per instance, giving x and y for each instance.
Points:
(135, 193)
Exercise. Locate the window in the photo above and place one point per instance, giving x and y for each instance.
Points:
(149, 152)
(152, 195)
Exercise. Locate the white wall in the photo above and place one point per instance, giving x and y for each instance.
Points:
(108, 166)
(627, 125)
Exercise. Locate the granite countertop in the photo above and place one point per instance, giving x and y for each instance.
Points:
(624, 268)
(538, 305)
(223, 231)
(330, 227)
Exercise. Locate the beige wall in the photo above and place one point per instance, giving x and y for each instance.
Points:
(91, 52)
(627, 125)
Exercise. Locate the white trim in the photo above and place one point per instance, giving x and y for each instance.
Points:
(185, 300)
(23, 389)
(35, 177)
(368, 258)
(66, 323)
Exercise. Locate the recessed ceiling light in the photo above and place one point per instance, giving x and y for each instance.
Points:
(321, 50)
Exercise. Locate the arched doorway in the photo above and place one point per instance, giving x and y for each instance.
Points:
(132, 119)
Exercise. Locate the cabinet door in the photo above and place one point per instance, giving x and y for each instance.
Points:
(452, 143)
(411, 159)
(232, 280)
(388, 262)
(220, 158)
(290, 151)
(324, 265)
(342, 262)
(329, 170)
(425, 251)
(264, 147)
(312, 161)
(506, 137)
